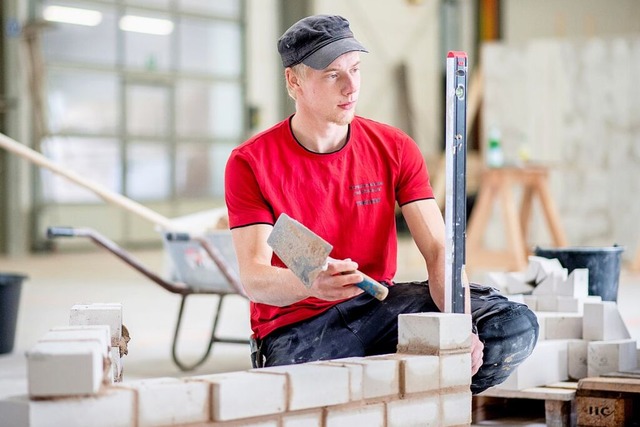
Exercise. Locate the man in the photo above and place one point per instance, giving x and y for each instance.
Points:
(341, 175)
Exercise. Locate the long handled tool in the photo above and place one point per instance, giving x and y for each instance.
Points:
(104, 193)
(305, 254)
(456, 191)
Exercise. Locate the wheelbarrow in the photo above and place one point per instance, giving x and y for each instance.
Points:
(203, 258)
(201, 265)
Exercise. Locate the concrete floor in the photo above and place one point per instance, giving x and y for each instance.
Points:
(59, 280)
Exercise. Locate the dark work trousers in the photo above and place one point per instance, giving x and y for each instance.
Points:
(364, 326)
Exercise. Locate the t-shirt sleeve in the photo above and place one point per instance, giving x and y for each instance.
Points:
(413, 178)
(245, 202)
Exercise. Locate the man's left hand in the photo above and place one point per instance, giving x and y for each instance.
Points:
(477, 353)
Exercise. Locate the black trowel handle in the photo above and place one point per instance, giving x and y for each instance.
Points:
(372, 287)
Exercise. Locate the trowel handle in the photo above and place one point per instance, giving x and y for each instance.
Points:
(372, 287)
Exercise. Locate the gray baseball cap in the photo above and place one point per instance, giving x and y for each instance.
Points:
(317, 41)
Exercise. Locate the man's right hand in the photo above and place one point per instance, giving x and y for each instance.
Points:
(337, 281)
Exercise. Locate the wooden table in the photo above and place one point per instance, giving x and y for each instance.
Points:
(497, 184)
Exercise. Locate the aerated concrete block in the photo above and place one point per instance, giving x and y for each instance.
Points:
(611, 356)
(99, 336)
(170, 401)
(312, 385)
(576, 285)
(455, 370)
(99, 314)
(418, 373)
(531, 301)
(455, 408)
(60, 368)
(111, 408)
(516, 284)
(414, 412)
(433, 333)
(578, 359)
(303, 419)
(361, 415)
(602, 322)
(380, 375)
(245, 394)
(556, 325)
(552, 355)
(356, 374)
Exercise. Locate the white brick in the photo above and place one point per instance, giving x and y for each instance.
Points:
(116, 368)
(496, 279)
(430, 333)
(531, 301)
(549, 286)
(519, 298)
(99, 314)
(533, 271)
(111, 408)
(602, 322)
(578, 357)
(64, 368)
(556, 325)
(611, 356)
(356, 373)
(170, 401)
(569, 304)
(516, 284)
(98, 336)
(547, 303)
(418, 372)
(330, 384)
(245, 394)
(105, 329)
(576, 285)
(455, 370)
(363, 415)
(456, 408)
(380, 375)
(414, 412)
(552, 355)
(303, 419)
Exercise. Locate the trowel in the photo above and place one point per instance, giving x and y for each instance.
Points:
(306, 254)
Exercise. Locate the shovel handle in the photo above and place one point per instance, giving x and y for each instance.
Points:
(372, 287)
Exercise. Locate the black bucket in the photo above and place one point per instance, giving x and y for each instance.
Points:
(10, 287)
(603, 264)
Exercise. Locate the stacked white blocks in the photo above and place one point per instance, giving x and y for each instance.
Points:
(580, 335)
(75, 359)
(429, 387)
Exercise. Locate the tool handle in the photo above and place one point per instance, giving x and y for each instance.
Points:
(372, 287)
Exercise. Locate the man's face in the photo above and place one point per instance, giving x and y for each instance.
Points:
(332, 94)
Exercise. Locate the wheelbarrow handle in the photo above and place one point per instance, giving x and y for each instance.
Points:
(53, 232)
(178, 237)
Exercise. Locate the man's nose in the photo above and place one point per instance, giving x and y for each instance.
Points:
(350, 84)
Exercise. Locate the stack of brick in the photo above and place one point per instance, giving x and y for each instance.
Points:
(80, 358)
(580, 335)
(425, 384)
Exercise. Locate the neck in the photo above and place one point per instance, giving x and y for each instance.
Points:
(319, 136)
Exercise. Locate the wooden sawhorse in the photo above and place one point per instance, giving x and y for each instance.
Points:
(497, 184)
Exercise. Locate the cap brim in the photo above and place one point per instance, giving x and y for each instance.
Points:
(324, 56)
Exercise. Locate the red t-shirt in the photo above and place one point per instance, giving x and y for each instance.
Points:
(347, 197)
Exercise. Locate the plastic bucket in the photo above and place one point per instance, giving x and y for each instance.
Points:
(10, 287)
(603, 264)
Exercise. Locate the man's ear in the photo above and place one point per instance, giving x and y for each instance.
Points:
(292, 78)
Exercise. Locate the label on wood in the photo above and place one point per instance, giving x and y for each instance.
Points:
(603, 411)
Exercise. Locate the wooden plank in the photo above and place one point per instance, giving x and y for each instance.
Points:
(538, 393)
(618, 385)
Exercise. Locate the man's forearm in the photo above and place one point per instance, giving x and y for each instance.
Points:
(273, 286)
